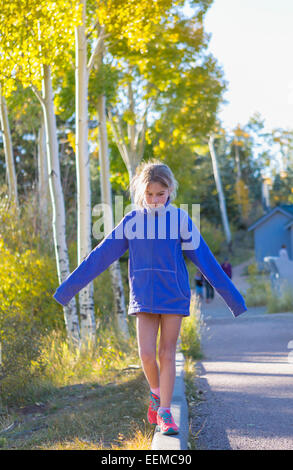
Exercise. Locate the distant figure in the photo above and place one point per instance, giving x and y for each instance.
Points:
(283, 253)
(209, 291)
(198, 278)
(226, 266)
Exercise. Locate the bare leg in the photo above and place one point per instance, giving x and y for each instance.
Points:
(170, 328)
(147, 326)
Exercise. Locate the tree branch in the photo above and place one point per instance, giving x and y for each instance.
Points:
(140, 144)
(98, 49)
(38, 94)
(132, 134)
(119, 139)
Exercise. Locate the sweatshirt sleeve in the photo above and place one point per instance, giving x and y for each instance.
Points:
(112, 247)
(196, 249)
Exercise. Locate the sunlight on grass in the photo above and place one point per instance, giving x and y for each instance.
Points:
(141, 440)
(190, 330)
(94, 399)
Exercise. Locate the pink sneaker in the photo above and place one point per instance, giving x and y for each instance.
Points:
(153, 408)
(166, 423)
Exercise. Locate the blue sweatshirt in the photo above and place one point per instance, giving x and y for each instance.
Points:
(158, 277)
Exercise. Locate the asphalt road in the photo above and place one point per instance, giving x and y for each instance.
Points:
(245, 381)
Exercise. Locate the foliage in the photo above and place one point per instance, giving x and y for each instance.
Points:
(27, 281)
(20, 345)
(35, 34)
(258, 291)
(27, 276)
(190, 331)
(261, 292)
(35, 361)
(131, 21)
(162, 54)
(63, 366)
(280, 303)
(26, 284)
(242, 198)
(282, 188)
(213, 235)
(242, 249)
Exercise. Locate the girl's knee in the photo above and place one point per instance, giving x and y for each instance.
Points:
(147, 356)
(167, 354)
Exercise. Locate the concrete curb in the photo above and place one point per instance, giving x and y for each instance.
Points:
(179, 411)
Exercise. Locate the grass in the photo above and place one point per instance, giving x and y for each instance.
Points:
(90, 415)
(190, 331)
(94, 400)
(85, 400)
(257, 293)
(282, 303)
(261, 293)
(242, 248)
(193, 397)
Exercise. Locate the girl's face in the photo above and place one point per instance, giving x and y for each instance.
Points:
(156, 194)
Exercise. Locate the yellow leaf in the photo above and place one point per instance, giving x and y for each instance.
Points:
(71, 140)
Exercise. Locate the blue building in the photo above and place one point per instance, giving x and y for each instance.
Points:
(273, 230)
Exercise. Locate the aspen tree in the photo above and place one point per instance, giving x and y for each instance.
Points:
(116, 21)
(169, 78)
(43, 182)
(221, 195)
(8, 151)
(35, 38)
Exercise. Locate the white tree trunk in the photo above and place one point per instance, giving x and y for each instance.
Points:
(8, 150)
(43, 183)
(265, 190)
(118, 291)
(58, 207)
(131, 156)
(238, 178)
(237, 160)
(221, 195)
(86, 301)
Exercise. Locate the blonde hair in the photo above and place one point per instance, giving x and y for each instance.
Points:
(152, 171)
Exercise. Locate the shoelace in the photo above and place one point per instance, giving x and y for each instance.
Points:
(167, 417)
(155, 403)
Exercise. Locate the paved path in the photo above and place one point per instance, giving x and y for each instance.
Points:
(245, 381)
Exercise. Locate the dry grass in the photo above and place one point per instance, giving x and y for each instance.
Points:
(192, 397)
(85, 416)
(190, 331)
(97, 400)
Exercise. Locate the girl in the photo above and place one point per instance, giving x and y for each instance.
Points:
(157, 235)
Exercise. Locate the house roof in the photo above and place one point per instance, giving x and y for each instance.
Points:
(286, 209)
(290, 223)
